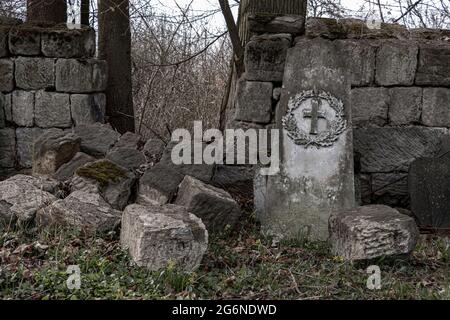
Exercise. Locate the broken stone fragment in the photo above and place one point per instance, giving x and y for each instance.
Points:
(67, 170)
(53, 149)
(214, 206)
(372, 232)
(159, 236)
(96, 139)
(114, 182)
(85, 211)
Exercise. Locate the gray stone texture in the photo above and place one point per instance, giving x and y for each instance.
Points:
(215, 207)
(26, 137)
(390, 189)
(82, 211)
(53, 149)
(254, 102)
(4, 34)
(23, 198)
(23, 108)
(2, 110)
(81, 76)
(88, 108)
(405, 106)
(265, 57)
(396, 63)
(127, 157)
(130, 140)
(35, 73)
(265, 23)
(96, 139)
(429, 187)
(67, 170)
(436, 107)
(360, 58)
(156, 236)
(7, 148)
(25, 41)
(52, 110)
(65, 43)
(154, 149)
(372, 232)
(433, 68)
(7, 75)
(394, 149)
(370, 106)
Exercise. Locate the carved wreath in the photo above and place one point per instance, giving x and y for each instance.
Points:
(323, 139)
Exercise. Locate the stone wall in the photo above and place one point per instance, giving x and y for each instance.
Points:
(400, 93)
(49, 79)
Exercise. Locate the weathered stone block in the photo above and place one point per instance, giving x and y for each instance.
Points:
(154, 149)
(390, 189)
(35, 73)
(126, 157)
(214, 206)
(52, 110)
(65, 43)
(84, 211)
(434, 64)
(4, 34)
(88, 108)
(265, 57)
(130, 140)
(81, 76)
(394, 149)
(159, 185)
(265, 23)
(436, 107)
(396, 63)
(52, 149)
(67, 170)
(405, 106)
(370, 106)
(96, 139)
(7, 75)
(254, 102)
(429, 187)
(23, 108)
(25, 41)
(26, 137)
(158, 235)
(372, 232)
(360, 58)
(7, 148)
(7, 107)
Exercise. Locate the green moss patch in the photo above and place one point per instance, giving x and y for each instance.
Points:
(104, 172)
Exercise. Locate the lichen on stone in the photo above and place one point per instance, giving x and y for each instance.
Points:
(104, 172)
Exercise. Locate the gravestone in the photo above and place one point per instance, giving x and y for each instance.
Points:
(316, 175)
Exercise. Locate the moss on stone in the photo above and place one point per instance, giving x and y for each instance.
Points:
(104, 172)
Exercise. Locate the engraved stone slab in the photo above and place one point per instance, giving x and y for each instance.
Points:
(316, 175)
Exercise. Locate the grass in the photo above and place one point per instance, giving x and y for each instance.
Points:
(240, 265)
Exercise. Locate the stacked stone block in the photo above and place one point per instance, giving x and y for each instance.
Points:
(400, 95)
(49, 78)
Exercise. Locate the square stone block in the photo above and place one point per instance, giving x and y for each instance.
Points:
(406, 106)
(81, 76)
(35, 73)
(436, 107)
(434, 64)
(66, 43)
(370, 106)
(52, 110)
(254, 102)
(23, 108)
(88, 108)
(25, 41)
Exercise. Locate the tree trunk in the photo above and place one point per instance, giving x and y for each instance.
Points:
(115, 48)
(52, 12)
(248, 7)
(84, 10)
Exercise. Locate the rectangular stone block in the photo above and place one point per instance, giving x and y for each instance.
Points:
(396, 63)
(8, 107)
(88, 108)
(35, 73)
(7, 148)
(23, 108)
(66, 43)
(434, 64)
(254, 102)
(394, 149)
(370, 106)
(390, 189)
(405, 106)
(52, 110)
(81, 76)
(25, 41)
(7, 75)
(25, 142)
(360, 56)
(265, 57)
(436, 107)
(286, 23)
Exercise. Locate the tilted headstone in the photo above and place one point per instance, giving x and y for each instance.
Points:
(316, 176)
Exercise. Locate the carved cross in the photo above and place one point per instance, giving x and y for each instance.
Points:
(315, 114)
